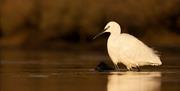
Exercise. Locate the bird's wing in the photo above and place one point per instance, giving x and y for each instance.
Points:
(135, 51)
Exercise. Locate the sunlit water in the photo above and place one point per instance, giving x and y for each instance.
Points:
(55, 71)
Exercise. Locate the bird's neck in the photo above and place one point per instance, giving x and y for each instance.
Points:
(115, 32)
(114, 35)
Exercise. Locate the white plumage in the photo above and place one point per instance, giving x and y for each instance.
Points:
(127, 49)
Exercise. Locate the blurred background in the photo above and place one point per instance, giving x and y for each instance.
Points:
(63, 23)
(47, 45)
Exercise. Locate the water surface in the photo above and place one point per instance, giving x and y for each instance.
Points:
(55, 71)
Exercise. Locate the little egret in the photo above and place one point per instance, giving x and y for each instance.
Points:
(127, 49)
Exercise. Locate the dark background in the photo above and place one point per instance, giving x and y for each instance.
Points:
(69, 24)
(47, 45)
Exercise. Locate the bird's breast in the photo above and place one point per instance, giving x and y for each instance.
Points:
(113, 42)
(112, 45)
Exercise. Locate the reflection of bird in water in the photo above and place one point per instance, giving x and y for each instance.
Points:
(126, 49)
(134, 81)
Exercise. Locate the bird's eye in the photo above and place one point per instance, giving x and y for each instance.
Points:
(107, 27)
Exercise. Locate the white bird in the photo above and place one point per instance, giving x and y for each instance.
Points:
(127, 49)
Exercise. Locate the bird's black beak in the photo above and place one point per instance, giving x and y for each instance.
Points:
(100, 33)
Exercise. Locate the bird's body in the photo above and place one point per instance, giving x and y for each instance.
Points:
(128, 50)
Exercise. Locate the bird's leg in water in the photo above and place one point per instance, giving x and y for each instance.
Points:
(138, 68)
(130, 69)
(116, 67)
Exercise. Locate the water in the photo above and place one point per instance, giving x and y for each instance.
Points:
(55, 71)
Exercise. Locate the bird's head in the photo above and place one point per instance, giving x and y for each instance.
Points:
(111, 27)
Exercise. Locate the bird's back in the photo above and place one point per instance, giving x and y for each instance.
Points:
(130, 50)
